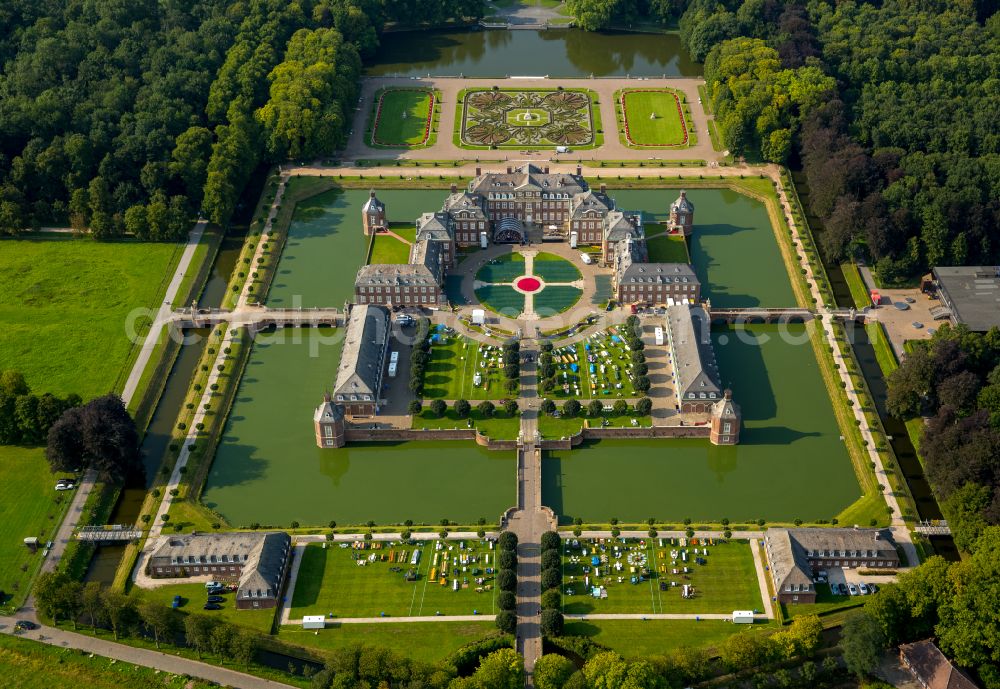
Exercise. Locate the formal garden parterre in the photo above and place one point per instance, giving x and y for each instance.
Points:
(528, 118)
(404, 117)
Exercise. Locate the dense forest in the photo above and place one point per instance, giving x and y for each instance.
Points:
(133, 116)
(890, 109)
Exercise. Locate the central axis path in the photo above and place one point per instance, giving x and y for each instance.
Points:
(530, 520)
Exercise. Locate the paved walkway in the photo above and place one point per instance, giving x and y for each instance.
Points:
(139, 656)
(394, 620)
(612, 148)
(758, 565)
(728, 616)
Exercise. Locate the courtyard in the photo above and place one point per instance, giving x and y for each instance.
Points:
(528, 118)
(530, 284)
(395, 579)
(594, 368)
(460, 368)
(648, 575)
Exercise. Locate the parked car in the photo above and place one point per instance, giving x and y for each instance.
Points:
(213, 584)
(216, 599)
(853, 589)
(24, 626)
(218, 590)
(176, 602)
(842, 589)
(873, 588)
(65, 486)
(212, 606)
(863, 587)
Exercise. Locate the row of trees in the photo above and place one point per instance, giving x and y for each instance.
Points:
(954, 378)
(463, 408)
(25, 417)
(61, 598)
(902, 155)
(552, 617)
(420, 355)
(506, 619)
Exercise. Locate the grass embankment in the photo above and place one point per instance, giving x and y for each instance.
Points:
(28, 507)
(33, 665)
(67, 306)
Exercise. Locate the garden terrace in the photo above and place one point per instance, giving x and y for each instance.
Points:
(404, 118)
(527, 118)
(652, 118)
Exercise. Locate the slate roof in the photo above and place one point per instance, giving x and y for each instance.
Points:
(528, 177)
(436, 226)
(364, 351)
(619, 225)
(395, 274)
(373, 203)
(590, 201)
(464, 202)
(682, 203)
(693, 357)
(430, 255)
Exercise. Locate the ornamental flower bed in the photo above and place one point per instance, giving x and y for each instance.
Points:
(427, 123)
(680, 114)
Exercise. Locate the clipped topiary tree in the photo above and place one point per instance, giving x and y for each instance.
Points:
(551, 578)
(506, 621)
(506, 600)
(551, 599)
(551, 540)
(438, 408)
(507, 541)
(506, 580)
(552, 623)
(462, 408)
(507, 559)
(551, 559)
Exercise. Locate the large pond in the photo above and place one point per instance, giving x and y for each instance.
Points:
(733, 248)
(790, 462)
(556, 53)
(326, 245)
(268, 469)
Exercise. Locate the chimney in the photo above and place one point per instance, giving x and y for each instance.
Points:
(371, 194)
(509, 169)
(454, 188)
(728, 394)
(579, 171)
(479, 171)
(604, 188)
(545, 169)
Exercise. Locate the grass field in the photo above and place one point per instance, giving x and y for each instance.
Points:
(637, 638)
(391, 128)
(452, 369)
(503, 268)
(28, 507)
(556, 299)
(726, 582)
(585, 385)
(552, 268)
(66, 304)
(33, 665)
(667, 248)
(564, 426)
(388, 249)
(825, 602)
(499, 427)
(653, 118)
(502, 299)
(426, 641)
(193, 598)
(333, 582)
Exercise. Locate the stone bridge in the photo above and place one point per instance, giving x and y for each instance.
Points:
(935, 527)
(781, 315)
(113, 533)
(258, 316)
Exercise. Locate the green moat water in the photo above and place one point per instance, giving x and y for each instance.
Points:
(790, 462)
(556, 53)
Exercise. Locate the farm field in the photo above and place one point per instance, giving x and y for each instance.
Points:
(426, 641)
(268, 470)
(653, 118)
(725, 582)
(28, 507)
(66, 306)
(402, 117)
(454, 364)
(369, 579)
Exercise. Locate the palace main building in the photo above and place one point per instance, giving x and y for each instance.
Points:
(501, 208)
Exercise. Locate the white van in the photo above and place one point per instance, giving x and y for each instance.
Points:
(586, 259)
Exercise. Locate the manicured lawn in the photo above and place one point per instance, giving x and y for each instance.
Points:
(653, 118)
(609, 379)
(556, 299)
(452, 369)
(193, 598)
(552, 268)
(726, 582)
(333, 580)
(33, 665)
(637, 638)
(392, 128)
(388, 249)
(667, 248)
(499, 427)
(564, 426)
(29, 506)
(501, 299)
(426, 641)
(503, 268)
(66, 305)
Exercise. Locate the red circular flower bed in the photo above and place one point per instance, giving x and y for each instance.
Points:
(528, 284)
